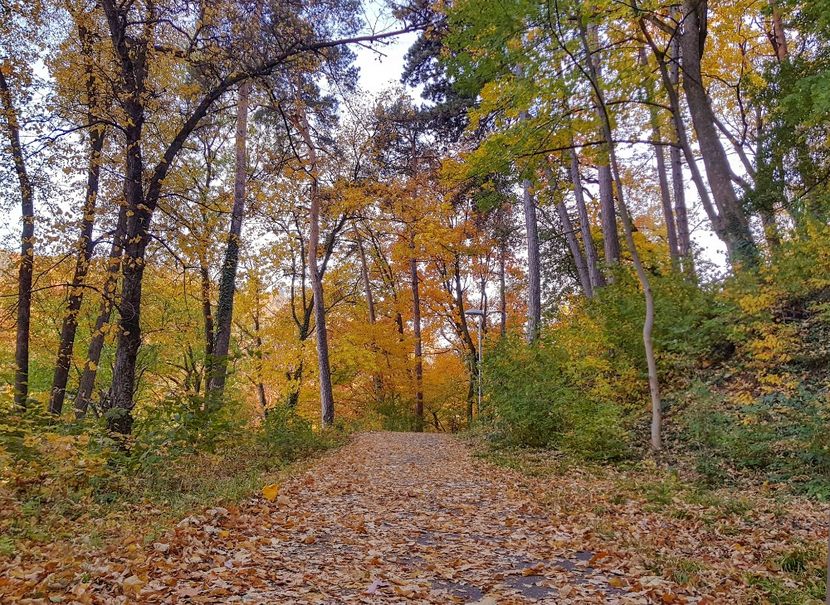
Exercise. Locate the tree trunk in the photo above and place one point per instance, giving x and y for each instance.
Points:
(27, 247)
(534, 285)
(662, 173)
(777, 35)
(573, 245)
(597, 280)
(416, 328)
(666, 201)
(207, 311)
(681, 214)
(735, 225)
(96, 344)
(326, 393)
(260, 385)
(85, 245)
(227, 282)
(608, 215)
(377, 380)
(122, 390)
(502, 289)
(628, 229)
(670, 81)
(85, 248)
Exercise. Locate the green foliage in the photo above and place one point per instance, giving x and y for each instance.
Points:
(532, 401)
(782, 436)
(289, 436)
(392, 413)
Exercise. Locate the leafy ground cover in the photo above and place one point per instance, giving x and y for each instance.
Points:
(747, 542)
(426, 518)
(76, 505)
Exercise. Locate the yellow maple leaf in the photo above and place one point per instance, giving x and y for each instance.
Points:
(269, 492)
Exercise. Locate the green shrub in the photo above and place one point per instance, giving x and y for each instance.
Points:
(532, 401)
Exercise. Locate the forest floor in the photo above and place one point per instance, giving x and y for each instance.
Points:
(405, 517)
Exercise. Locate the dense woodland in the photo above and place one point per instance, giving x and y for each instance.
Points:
(612, 217)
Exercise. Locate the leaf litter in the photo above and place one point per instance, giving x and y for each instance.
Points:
(402, 518)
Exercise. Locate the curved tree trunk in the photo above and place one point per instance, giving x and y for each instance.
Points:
(628, 229)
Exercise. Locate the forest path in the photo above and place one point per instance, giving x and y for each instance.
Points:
(389, 518)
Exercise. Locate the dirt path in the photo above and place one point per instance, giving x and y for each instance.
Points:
(390, 518)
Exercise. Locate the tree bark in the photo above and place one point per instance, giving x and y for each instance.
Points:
(207, 311)
(608, 218)
(534, 283)
(777, 34)
(85, 245)
(628, 229)
(670, 81)
(502, 289)
(326, 393)
(416, 329)
(735, 225)
(595, 275)
(227, 282)
(27, 247)
(96, 344)
(377, 380)
(681, 214)
(570, 238)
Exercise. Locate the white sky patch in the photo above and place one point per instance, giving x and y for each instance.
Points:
(381, 65)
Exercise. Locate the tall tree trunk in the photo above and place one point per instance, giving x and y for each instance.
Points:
(416, 329)
(681, 214)
(670, 82)
(735, 225)
(27, 252)
(608, 215)
(27, 247)
(207, 311)
(85, 245)
(463, 331)
(534, 279)
(666, 202)
(326, 393)
(377, 380)
(595, 275)
(570, 238)
(608, 212)
(628, 229)
(85, 248)
(227, 282)
(502, 289)
(86, 383)
(662, 173)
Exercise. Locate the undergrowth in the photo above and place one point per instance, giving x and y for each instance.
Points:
(72, 481)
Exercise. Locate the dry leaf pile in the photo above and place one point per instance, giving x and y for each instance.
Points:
(414, 518)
